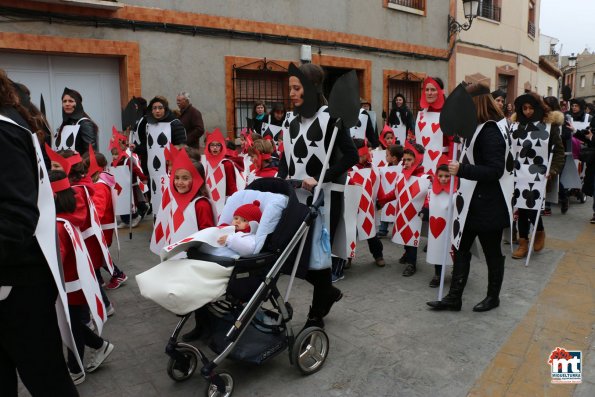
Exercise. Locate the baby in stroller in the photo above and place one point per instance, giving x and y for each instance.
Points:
(230, 290)
(245, 219)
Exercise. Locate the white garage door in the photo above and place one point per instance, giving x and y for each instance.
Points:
(97, 79)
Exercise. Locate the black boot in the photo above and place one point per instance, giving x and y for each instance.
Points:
(460, 273)
(324, 295)
(495, 277)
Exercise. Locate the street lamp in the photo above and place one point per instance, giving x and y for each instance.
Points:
(572, 60)
(471, 10)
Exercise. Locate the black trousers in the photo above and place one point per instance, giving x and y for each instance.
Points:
(83, 336)
(30, 343)
(375, 246)
(490, 242)
(526, 216)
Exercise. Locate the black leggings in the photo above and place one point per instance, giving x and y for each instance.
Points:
(83, 336)
(526, 216)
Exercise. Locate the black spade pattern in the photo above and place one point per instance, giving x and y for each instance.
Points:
(153, 186)
(291, 170)
(266, 132)
(70, 141)
(294, 129)
(314, 166)
(150, 141)
(314, 134)
(41, 173)
(58, 140)
(460, 203)
(156, 163)
(510, 163)
(456, 227)
(300, 150)
(162, 140)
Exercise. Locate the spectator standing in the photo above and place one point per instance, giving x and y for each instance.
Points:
(191, 118)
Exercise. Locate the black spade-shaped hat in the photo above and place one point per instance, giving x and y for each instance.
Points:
(344, 102)
(310, 104)
(458, 115)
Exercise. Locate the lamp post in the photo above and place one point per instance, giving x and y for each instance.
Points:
(471, 10)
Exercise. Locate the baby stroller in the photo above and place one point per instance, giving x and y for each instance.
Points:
(248, 332)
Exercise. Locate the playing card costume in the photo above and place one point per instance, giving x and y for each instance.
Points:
(30, 276)
(307, 132)
(579, 121)
(534, 140)
(182, 214)
(223, 178)
(364, 128)
(411, 190)
(154, 136)
(482, 203)
(77, 130)
(427, 127)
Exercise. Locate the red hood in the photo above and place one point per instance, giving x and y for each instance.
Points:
(78, 217)
(86, 182)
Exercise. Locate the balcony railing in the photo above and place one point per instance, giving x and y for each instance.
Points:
(417, 4)
(531, 29)
(490, 11)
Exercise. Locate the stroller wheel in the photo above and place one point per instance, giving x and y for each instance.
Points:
(582, 197)
(227, 385)
(310, 350)
(182, 369)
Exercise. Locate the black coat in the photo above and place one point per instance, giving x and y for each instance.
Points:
(487, 210)
(589, 180)
(21, 259)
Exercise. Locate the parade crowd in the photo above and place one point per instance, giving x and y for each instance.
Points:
(409, 182)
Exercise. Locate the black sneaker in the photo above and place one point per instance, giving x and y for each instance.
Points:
(564, 204)
(435, 282)
(403, 259)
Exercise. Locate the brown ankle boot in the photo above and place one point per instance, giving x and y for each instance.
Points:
(522, 250)
(539, 240)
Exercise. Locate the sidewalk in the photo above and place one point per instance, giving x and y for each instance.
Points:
(383, 339)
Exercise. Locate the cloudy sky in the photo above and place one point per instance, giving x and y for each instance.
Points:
(570, 21)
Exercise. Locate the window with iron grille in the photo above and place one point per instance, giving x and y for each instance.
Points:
(257, 81)
(531, 23)
(419, 5)
(490, 9)
(407, 84)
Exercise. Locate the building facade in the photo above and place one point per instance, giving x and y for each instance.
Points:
(226, 57)
(501, 49)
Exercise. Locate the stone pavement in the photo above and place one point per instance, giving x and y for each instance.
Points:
(383, 339)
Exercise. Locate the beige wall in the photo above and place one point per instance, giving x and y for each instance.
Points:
(545, 80)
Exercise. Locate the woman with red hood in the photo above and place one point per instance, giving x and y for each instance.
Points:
(427, 127)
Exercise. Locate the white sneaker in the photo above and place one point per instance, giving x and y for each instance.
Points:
(99, 356)
(110, 310)
(122, 225)
(136, 221)
(79, 378)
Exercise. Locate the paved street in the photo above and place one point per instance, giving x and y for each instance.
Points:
(383, 339)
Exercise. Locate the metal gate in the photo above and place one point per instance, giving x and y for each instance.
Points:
(259, 80)
(409, 85)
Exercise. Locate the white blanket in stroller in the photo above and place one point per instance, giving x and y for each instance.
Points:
(184, 285)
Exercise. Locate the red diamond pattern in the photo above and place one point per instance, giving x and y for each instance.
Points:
(414, 189)
(364, 203)
(165, 199)
(400, 222)
(167, 232)
(367, 226)
(158, 233)
(391, 210)
(406, 234)
(178, 219)
(401, 184)
(410, 212)
(215, 194)
(99, 308)
(352, 245)
(403, 199)
(218, 174)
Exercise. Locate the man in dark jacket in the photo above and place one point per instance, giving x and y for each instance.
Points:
(191, 118)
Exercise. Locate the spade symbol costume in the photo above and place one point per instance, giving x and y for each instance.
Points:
(77, 130)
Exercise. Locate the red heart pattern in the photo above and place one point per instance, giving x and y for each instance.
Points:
(435, 127)
(433, 154)
(425, 140)
(421, 125)
(437, 225)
